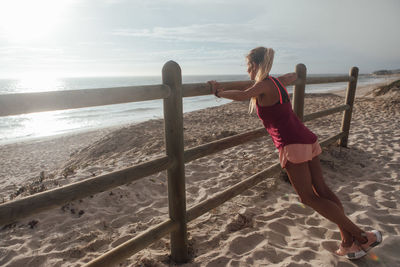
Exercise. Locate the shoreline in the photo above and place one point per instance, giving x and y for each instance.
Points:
(364, 90)
(265, 225)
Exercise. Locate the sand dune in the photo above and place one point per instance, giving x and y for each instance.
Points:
(265, 226)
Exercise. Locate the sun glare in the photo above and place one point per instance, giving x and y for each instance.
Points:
(39, 83)
(27, 20)
(46, 123)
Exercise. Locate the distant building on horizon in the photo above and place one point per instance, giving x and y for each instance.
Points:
(386, 72)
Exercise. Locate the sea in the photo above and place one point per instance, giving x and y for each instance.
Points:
(24, 127)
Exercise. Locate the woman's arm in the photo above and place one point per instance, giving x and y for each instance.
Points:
(288, 78)
(237, 95)
(237, 85)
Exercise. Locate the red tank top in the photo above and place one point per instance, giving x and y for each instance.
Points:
(282, 123)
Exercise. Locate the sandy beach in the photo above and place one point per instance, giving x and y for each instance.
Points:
(265, 226)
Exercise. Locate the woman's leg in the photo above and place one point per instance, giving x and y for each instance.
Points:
(324, 191)
(300, 177)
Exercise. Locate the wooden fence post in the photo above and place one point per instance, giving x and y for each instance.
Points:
(173, 117)
(350, 95)
(299, 91)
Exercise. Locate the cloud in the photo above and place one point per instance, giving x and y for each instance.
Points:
(211, 35)
(204, 33)
(226, 43)
(28, 49)
(192, 33)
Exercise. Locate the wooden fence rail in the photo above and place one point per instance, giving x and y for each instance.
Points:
(21, 208)
(14, 104)
(172, 92)
(21, 103)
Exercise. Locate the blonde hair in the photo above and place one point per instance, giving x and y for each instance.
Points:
(262, 57)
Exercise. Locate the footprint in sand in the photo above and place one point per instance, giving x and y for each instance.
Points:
(280, 228)
(120, 222)
(344, 264)
(388, 251)
(370, 189)
(317, 231)
(330, 245)
(344, 191)
(390, 219)
(287, 222)
(312, 245)
(364, 221)
(220, 261)
(300, 208)
(239, 222)
(270, 254)
(305, 254)
(276, 239)
(8, 255)
(292, 264)
(121, 240)
(386, 228)
(274, 214)
(96, 245)
(241, 245)
(312, 221)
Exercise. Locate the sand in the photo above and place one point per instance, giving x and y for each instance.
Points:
(265, 226)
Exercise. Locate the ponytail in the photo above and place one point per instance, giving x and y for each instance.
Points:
(264, 58)
(264, 67)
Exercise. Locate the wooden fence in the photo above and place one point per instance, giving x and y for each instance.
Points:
(171, 91)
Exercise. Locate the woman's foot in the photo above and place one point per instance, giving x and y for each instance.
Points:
(374, 238)
(352, 252)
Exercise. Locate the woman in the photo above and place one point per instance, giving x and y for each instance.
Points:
(298, 148)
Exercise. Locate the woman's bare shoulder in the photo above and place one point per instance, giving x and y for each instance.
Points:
(267, 85)
(270, 95)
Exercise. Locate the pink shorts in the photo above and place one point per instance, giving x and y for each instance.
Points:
(298, 153)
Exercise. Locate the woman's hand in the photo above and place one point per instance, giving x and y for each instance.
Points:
(216, 88)
(237, 95)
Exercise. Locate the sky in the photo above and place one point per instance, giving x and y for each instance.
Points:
(133, 38)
